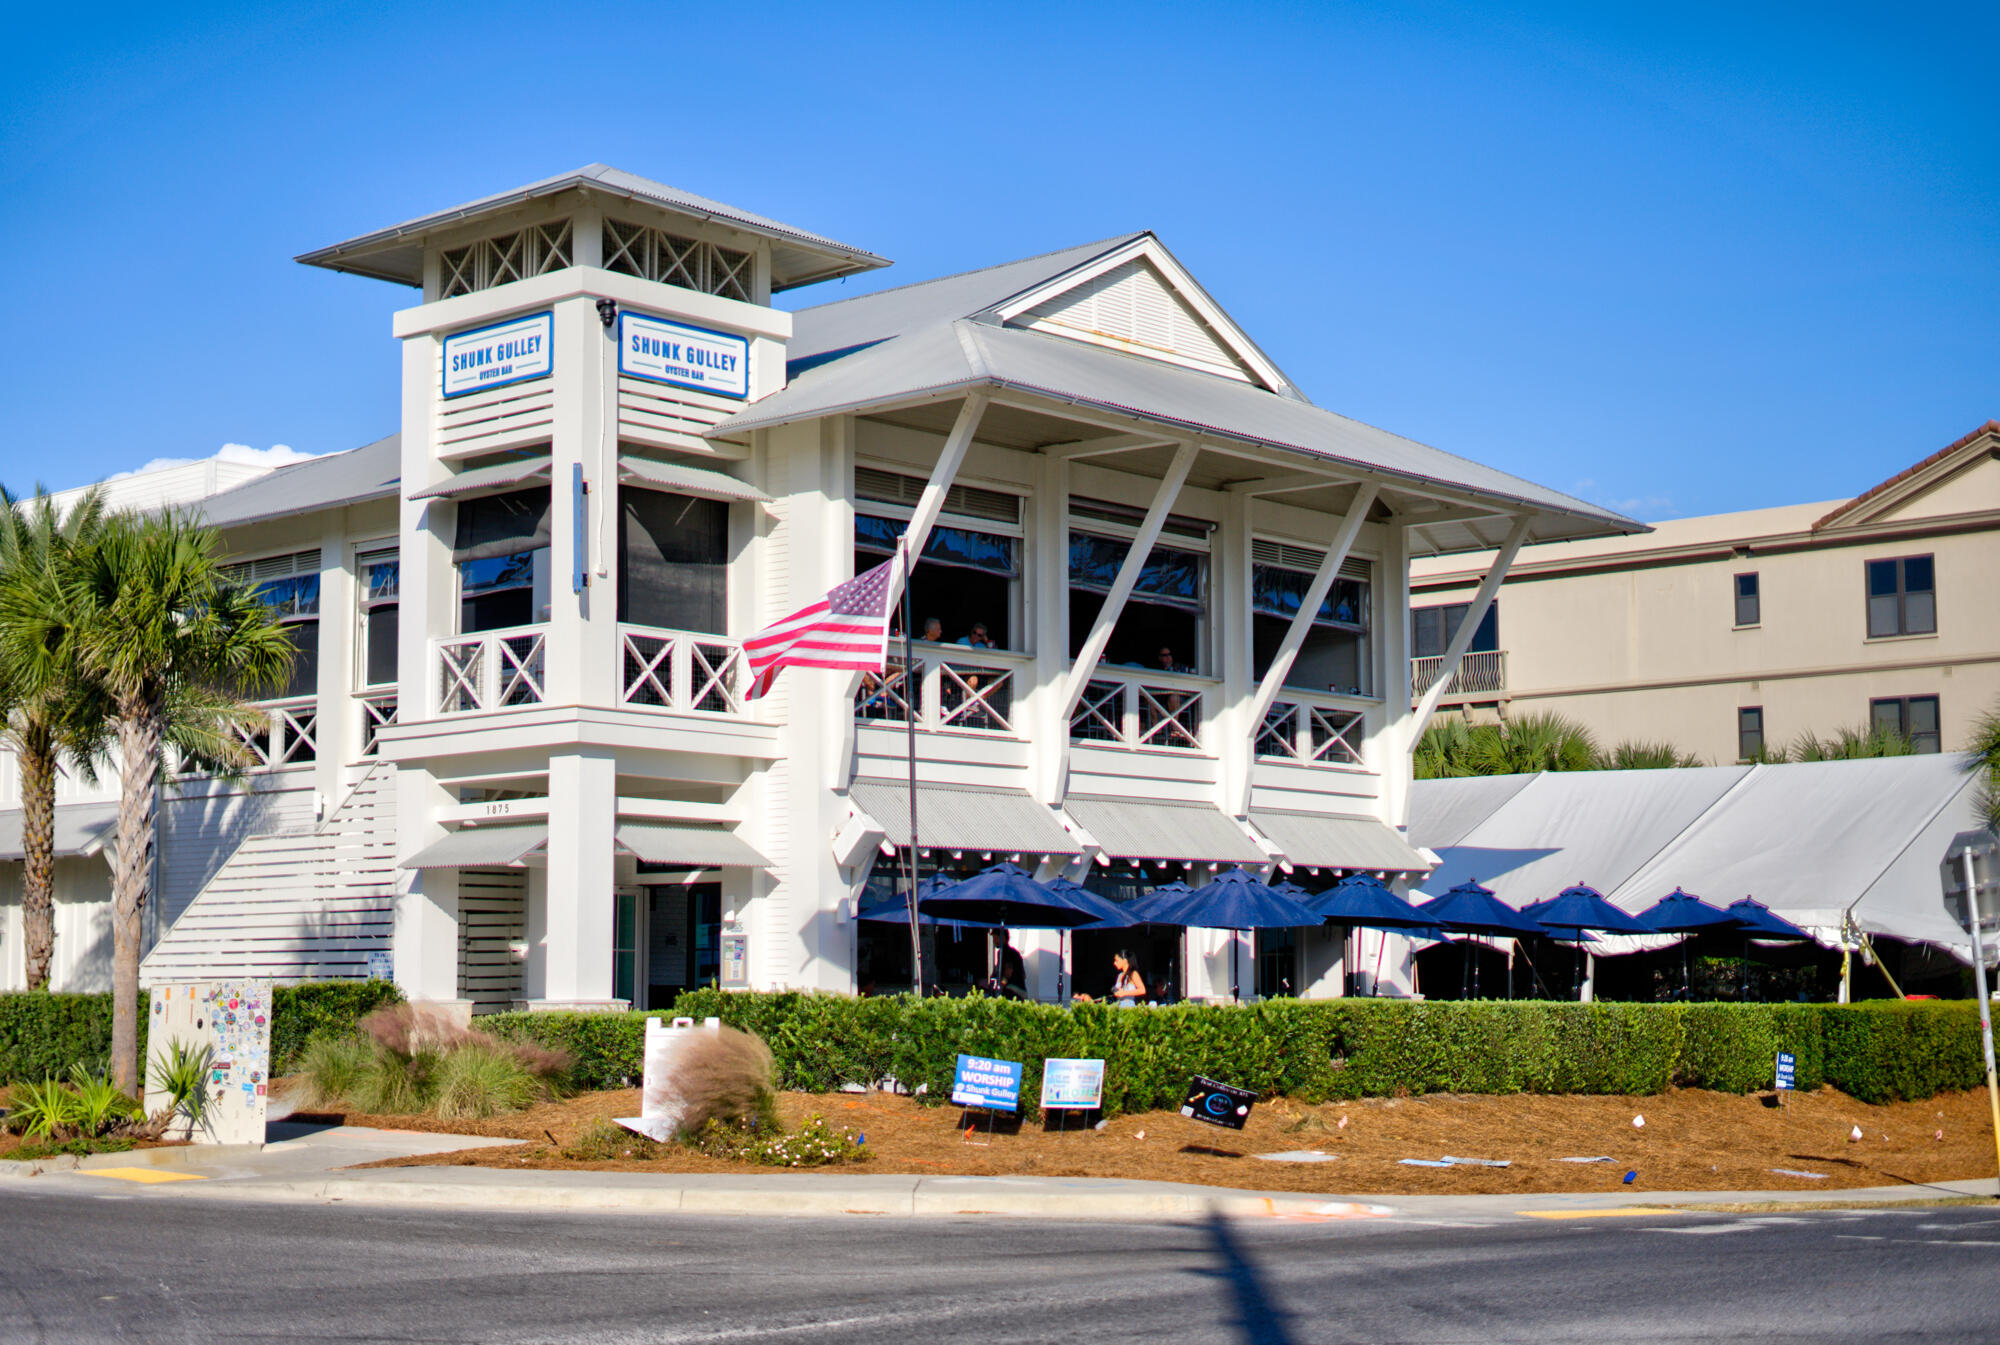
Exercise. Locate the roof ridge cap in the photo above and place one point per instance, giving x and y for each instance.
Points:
(1104, 243)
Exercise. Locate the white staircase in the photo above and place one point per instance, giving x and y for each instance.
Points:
(294, 907)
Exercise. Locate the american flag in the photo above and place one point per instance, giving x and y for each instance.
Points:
(848, 628)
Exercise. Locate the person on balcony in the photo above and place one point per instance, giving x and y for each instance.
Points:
(977, 638)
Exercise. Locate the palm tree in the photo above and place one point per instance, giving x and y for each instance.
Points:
(47, 713)
(1984, 757)
(1851, 744)
(1645, 756)
(174, 646)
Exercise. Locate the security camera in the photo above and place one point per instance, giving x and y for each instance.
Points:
(607, 312)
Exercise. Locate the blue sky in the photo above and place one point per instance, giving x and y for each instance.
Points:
(1678, 262)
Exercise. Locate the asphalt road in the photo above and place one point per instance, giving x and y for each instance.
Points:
(123, 1267)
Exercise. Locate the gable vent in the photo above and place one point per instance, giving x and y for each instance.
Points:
(1104, 511)
(1286, 556)
(872, 483)
(1132, 307)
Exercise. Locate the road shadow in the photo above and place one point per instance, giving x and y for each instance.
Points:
(1258, 1320)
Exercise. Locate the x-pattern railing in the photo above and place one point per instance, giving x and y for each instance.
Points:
(378, 712)
(682, 671)
(1169, 717)
(975, 696)
(885, 696)
(715, 669)
(492, 669)
(281, 733)
(1334, 736)
(1100, 715)
(649, 669)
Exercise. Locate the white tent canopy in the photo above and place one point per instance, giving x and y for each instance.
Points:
(1813, 841)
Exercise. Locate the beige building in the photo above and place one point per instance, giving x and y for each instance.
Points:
(1724, 633)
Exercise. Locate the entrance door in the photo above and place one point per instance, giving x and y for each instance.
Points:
(681, 949)
(492, 934)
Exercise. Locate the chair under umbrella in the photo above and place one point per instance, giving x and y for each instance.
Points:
(1577, 909)
(1682, 912)
(1234, 901)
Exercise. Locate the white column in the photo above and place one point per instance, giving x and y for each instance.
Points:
(1048, 619)
(581, 649)
(583, 807)
(425, 928)
(337, 731)
(1454, 652)
(1235, 726)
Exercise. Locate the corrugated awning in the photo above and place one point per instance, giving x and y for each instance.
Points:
(696, 846)
(475, 479)
(682, 480)
(965, 817)
(1326, 841)
(81, 829)
(1148, 829)
(474, 847)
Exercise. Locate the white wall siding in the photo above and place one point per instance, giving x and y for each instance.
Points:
(200, 831)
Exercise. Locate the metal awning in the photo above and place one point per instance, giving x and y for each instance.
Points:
(1330, 841)
(1147, 829)
(476, 847)
(965, 817)
(689, 844)
(699, 482)
(81, 830)
(475, 479)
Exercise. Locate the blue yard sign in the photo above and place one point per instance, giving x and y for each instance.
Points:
(1075, 1084)
(1788, 1065)
(992, 1084)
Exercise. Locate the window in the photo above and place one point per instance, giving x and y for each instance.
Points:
(1750, 733)
(381, 587)
(1334, 656)
(1749, 612)
(289, 586)
(1902, 597)
(673, 570)
(1164, 624)
(1914, 717)
(502, 553)
(967, 578)
(1431, 629)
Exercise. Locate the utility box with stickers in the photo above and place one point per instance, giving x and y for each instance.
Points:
(231, 1020)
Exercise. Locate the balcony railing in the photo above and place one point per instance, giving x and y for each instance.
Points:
(1146, 711)
(1479, 674)
(281, 733)
(378, 712)
(683, 671)
(492, 669)
(1312, 734)
(948, 691)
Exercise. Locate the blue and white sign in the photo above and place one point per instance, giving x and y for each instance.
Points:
(1788, 1070)
(492, 357)
(687, 357)
(992, 1084)
(1077, 1084)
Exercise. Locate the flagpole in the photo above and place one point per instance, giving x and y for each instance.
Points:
(910, 741)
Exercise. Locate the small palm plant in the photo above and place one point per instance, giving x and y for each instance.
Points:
(181, 1072)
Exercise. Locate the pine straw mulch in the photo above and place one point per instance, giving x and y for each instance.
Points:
(1691, 1141)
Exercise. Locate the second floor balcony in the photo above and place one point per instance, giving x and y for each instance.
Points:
(1481, 675)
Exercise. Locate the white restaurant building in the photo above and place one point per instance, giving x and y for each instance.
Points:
(516, 762)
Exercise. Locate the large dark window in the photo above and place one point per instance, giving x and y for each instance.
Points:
(1431, 629)
(1749, 601)
(1902, 597)
(673, 570)
(966, 580)
(1164, 623)
(1750, 733)
(289, 586)
(1914, 717)
(502, 552)
(1334, 656)
(381, 597)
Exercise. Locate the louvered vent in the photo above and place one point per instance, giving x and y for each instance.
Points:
(1133, 306)
(872, 483)
(272, 567)
(1286, 556)
(1104, 511)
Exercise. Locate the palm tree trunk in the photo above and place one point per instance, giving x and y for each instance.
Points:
(139, 731)
(38, 845)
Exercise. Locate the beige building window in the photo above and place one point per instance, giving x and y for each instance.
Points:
(1914, 717)
(1750, 733)
(1902, 597)
(1749, 601)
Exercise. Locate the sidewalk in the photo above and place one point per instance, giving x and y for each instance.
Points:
(314, 1164)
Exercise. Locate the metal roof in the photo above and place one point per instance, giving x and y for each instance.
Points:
(397, 254)
(686, 843)
(490, 477)
(964, 817)
(937, 340)
(473, 847)
(370, 473)
(82, 829)
(1150, 829)
(1327, 841)
(701, 482)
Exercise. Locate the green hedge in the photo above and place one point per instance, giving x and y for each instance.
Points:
(43, 1034)
(1314, 1050)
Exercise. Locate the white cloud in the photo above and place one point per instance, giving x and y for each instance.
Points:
(277, 455)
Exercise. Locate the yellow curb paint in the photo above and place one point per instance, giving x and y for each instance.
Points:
(1627, 1212)
(147, 1175)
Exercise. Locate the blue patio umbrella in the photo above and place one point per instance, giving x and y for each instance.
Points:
(1472, 909)
(1684, 913)
(1577, 909)
(1365, 901)
(1759, 923)
(1288, 888)
(1111, 915)
(1005, 894)
(896, 910)
(1235, 900)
